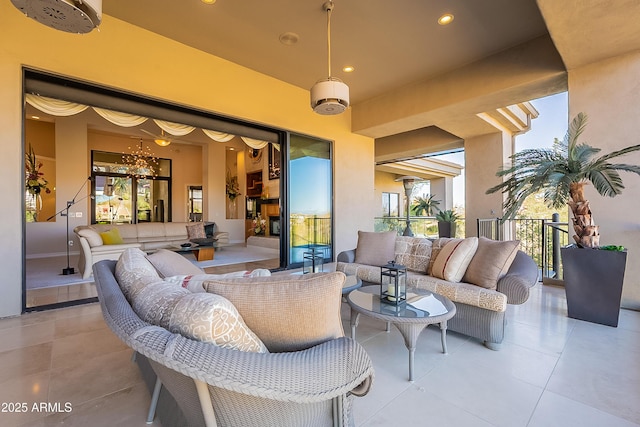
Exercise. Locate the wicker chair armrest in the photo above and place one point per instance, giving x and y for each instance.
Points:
(317, 374)
(347, 256)
(521, 277)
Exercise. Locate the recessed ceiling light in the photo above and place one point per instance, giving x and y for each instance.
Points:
(349, 69)
(289, 38)
(445, 19)
(209, 1)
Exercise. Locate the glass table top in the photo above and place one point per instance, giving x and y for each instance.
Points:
(419, 304)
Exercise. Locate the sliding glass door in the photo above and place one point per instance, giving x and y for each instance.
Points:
(310, 198)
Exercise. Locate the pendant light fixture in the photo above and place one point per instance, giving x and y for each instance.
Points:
(72, 16)
(329, 96)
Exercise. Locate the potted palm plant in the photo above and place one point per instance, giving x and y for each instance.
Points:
(426, 205)
(447, 223)
(592, 277)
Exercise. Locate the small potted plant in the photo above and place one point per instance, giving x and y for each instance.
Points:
(593, 276)
(447, 223)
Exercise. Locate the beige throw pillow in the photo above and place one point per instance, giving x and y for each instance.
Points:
(169, 263)
(375, 248)
(491, 262)
(436, 247)
(288, 312)
(454, 258)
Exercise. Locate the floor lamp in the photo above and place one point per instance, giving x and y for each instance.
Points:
(65, 212)
(407, 183)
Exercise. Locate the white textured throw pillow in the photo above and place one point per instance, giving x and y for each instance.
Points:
(212, 318)
(195, 282)
(169, 263)
(454, 258)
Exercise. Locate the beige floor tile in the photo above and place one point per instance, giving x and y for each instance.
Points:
(94, 378)
(126, 407)
(25, 391)
(20, 362)
(28, 319)
(90, 322)
(26, 336)
(76, 349)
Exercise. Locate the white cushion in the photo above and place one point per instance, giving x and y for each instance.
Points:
(169, 263)
(454, 258)
(134, 271)
(92, 236)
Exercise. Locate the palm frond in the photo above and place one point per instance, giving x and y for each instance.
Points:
(607, 182)
(621, 152)
(576, 127)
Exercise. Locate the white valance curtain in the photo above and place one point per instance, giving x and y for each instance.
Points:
(57, 107)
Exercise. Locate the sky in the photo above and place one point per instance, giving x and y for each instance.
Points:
(551, 123)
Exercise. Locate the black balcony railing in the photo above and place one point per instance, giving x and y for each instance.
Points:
(539, 238)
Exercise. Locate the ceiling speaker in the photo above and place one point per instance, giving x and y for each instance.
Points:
(329, 96)
(72, 16)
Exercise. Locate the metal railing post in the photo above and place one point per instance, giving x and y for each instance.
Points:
(555, 244)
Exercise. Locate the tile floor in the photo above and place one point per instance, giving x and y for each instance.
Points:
(551, 371)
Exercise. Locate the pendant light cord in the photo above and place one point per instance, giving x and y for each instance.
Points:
(329, 9)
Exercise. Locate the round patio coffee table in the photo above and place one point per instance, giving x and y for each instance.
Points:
(421, 309)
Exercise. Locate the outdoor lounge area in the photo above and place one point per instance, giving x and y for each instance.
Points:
(158, 114)
(551, 371)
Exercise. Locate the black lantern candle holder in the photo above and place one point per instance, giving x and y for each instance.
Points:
(313, 261)
(393, 283)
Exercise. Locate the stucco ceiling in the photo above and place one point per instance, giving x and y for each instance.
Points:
(390, 43)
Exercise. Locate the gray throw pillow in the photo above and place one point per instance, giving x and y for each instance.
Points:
(375, 248)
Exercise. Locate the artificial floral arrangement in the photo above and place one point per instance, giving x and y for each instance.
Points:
(34, 178)
(259, 225)
(233, 187)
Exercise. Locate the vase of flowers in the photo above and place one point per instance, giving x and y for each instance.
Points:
(35, 183)
(233, 191)
(259, 225)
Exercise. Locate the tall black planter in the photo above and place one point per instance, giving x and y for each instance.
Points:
(446, 229)
(593, 282)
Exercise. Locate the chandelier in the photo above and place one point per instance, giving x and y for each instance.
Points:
(140, 162)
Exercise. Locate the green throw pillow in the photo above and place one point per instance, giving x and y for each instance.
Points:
(112, 237)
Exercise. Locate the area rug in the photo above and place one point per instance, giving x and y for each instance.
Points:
(236, 255)
(47, 272)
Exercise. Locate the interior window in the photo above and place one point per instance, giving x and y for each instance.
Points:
(119, 198)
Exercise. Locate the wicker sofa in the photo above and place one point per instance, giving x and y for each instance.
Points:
(480, 310)
(203, 384)
(147, 236)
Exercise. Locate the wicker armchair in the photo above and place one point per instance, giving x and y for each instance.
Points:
(216, 386)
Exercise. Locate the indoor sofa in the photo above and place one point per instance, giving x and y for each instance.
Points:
(148, 236)
(209, 368)
(482, 282)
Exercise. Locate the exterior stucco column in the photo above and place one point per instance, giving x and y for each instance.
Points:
(484, 155)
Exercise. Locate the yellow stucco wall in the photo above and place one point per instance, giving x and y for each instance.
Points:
(608, 93)
(126, 57)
